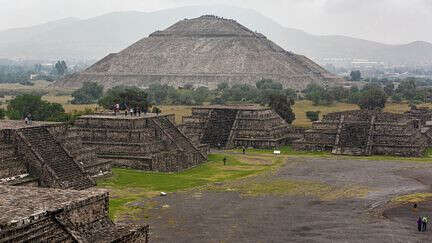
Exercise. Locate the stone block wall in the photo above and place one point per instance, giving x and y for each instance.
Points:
(137, 142)
(365, 133)
(254, 126)
(47, 215)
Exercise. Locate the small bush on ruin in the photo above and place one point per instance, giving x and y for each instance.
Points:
(313, 115)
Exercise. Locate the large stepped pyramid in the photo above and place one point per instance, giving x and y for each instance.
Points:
(206, 51)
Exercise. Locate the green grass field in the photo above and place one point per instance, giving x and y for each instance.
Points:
(127, 185)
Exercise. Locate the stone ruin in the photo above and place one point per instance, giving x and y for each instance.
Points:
(424, 116)
(151, 142)
(204, 51)
(31, 214)
(238, 126)
(362, 132)
(42, 154)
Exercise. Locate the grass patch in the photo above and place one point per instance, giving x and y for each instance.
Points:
(128, 185)
(413, 198)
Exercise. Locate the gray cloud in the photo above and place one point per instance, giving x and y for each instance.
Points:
(391, 21)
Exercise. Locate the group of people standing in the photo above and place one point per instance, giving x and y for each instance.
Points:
(422, 223)
(132, 111)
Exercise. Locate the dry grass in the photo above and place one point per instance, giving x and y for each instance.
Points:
(413, 198)
(65, 101)
(178, 110)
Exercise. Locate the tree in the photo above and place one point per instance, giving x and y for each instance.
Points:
(126, 97)
(200, 95)
(313, 115)
(282, 106)
(372, 98)
(89, 93)
(222, 86)
(39, 109)
(318, 95)
(355, 75)
(2, 113)
(60, 68)
(407, 89)
(268, 84)
(396, 98)
(389, 89)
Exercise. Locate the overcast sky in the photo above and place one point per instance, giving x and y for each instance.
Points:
(389, 21)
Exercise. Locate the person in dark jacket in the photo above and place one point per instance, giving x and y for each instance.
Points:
(419, 224)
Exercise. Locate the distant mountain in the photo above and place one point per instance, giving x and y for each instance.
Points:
(94, 38)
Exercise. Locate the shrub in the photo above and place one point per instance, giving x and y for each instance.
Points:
(313, 115)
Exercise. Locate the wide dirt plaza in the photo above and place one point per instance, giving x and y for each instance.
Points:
(292, 197)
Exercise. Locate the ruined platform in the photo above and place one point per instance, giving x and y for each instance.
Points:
(52, 215)
(362, 132)
(148, 142)
(42, 154)
(238, 126)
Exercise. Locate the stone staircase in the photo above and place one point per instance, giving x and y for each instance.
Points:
(47, 230)
(183, 142)
(218, 128)
(70, 174)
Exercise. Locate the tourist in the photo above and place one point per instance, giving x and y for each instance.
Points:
(26, 120)
(139, 111)
(219, 146)
(424, 222)
(29, 118)
(131, 111)
(244, 150)
(419, 224)
(224, 160)
(126, 111)
(116, 109)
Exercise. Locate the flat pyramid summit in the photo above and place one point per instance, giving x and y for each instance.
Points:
(207, 50)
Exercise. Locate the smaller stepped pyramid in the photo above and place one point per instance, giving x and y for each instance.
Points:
(33, 155)
(238, 126)
(363, 132)
(205, 51)
(150, 142)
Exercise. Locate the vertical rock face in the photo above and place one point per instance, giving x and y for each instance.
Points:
(207, 50)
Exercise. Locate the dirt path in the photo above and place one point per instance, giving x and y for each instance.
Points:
(331, 207)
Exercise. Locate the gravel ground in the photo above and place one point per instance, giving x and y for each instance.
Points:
(211, 216)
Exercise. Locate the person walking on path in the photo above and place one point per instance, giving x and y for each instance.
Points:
(244, 150)
(419, 224)
(424, 223)
(126, 111)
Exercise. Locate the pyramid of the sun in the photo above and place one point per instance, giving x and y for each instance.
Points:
(204, 51)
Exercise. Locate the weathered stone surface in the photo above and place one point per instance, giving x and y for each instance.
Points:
(52, 215)
(238, 126)
(365, 133)
(205, 51)
(33, 154)
(148, 142)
